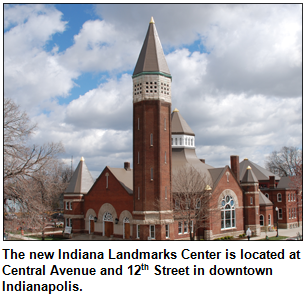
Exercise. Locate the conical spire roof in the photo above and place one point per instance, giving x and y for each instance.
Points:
(81, 180)
(152, 58)
(249, 176)
(179, 125)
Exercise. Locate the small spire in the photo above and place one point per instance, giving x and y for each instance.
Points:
(175, 110)
(152, 21)
(82, 158)
(207, 187)
(249, 168)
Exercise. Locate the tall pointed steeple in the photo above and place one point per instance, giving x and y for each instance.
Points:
(153, 214)
(152, 58)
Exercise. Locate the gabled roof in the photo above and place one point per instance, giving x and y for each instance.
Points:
(249, 176)
(179, 125)
(151, 58)
(125, 177)
(285, 182)
(81, 180)
(259, 172)
(263, 200)
(216, 174)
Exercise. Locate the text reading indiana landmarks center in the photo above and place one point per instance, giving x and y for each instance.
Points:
(142, 263)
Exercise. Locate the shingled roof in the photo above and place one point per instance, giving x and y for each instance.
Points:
(81, 180)
(151, 58)
(179, 125)
(263, 200)
(125, 177)
(260, 172)
(249, 176)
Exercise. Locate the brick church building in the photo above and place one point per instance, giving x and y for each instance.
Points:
(139, 203)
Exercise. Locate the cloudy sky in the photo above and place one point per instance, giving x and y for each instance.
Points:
(236, 69)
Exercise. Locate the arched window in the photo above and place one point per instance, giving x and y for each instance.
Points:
(279, 197)
(267, 195)
(261, 220)
(228, 215)
(107, 216)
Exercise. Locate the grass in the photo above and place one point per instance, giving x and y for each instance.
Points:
(275, 238)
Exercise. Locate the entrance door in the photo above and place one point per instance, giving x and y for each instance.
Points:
(108, 228)
(92, 226)
(126, 231)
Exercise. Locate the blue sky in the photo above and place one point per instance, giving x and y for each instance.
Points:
(236, 75)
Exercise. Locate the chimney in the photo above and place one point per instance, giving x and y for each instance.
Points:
(235, 166)
(127, 166)
(271, 182)
(202, 160)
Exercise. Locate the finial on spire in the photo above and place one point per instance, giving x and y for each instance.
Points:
(176, 110)
(249, 168)
(152, 21)
(82, 158)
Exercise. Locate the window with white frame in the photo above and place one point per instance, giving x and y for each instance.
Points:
(289, 213)
(269, 219)
(172, 141)
(251, 200)
(180, 227)
(294, 212)
(151, 174)
(261, 220)
(198, 204)
(152, 231)
(151, 139)
(166, 192)
(280, 213)
(67, 222)
(175, 141)
(191, 142)
(67, 205)
(137, 231)
(228, 215)
(288, 197)
(279, 197)
(167, 231)
(185, 227)
(292, 197)
(180, 141)
(70, 205)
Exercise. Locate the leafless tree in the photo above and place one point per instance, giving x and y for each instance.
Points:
(192, 198)
(284, 162)
(22, 161)
(34, 178)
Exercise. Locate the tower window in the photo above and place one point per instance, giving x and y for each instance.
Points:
(106, 177)
(138, 124)
(172, 141)
(138, 193)
(180, 141)
(151, 83)
(147, 91)
(167, 231)
(152, 231)
(162, 92)
(138, 158)
(152, 174)
(147, 83)
(175, 141)
(166, 192)
(155, 83)
(251, 200)
(279, 197)
(151, 91)
(151, 139)
(165, 124)
(162, 84)
(165, 156)
(155, 91)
